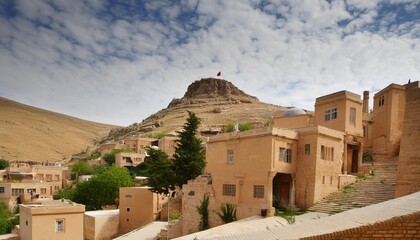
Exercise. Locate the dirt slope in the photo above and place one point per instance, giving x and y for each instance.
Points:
(29, 133)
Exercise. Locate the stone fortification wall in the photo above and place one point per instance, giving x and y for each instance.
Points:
(408, 177)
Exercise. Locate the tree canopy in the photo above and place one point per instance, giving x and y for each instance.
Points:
(157, 167)
(102, 189)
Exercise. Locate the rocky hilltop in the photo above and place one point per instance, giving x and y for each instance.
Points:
(212, 89)
(216, 101)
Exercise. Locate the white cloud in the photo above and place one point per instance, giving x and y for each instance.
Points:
(118, 65)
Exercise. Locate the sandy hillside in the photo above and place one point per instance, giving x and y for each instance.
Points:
(29, 133)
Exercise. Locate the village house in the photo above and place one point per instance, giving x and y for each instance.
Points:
(303, 158)
(57, 219)
(24, 183)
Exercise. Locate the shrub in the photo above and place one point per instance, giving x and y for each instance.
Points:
(228, 213)
(203, 210)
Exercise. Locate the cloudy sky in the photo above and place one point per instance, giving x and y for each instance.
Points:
(120, 61)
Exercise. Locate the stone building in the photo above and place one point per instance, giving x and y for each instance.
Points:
(138, 207)
(23, 182)
(306, 155)
(59, 219)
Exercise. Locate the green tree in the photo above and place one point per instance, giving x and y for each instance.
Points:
(157, 167)
(189, 159)
(66, 193)
(79, 169)
(4, 164)
(103, 189)
(8, 220)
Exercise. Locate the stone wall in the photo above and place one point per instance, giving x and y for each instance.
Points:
(409, 160)
(404, 227)
(193, 194)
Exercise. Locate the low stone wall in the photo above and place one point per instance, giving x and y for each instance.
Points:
(403, 227)
(344, 179)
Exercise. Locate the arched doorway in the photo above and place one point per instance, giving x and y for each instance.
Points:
(282, 183)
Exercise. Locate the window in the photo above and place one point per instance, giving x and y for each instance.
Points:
(327, 153)
(31, 190)
(43, 191)
(17, 191)
(330, 114)
(258, 191)
(229, 190)
(323, 179)
(128, 209)
(48, 177)
(381, 100)
(56, 177)
(285, 155)
(307, 149)
(59, 225)
(1, 189)
(352, 118)
(230, 157)
(331, 180)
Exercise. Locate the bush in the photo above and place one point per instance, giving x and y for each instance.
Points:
(4, 164)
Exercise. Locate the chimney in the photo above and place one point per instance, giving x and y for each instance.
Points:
(366, 101)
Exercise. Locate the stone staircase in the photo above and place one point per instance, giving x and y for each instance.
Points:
(370, 189)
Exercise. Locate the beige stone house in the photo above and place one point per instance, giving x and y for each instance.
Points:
(59, 219)
(138, 207)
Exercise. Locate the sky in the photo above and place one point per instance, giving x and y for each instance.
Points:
(118, 62)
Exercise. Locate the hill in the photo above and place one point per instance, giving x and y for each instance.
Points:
(29, 133)
(216, 101)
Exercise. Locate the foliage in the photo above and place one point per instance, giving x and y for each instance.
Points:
(368, 157)
(159, 135)
(4, 164)
(230, 128)
(79, 169)
(102, 189)
(189, 158)
(348, 187)
(276, 202)
(241, 127)
(174, 215)
(244, 127)
(94, 155)
(157, 167)
(228, 213)
(8, 220)
(203, 210)
(66, 193)
(290, 214)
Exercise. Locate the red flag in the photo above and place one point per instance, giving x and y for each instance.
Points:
(219, 74)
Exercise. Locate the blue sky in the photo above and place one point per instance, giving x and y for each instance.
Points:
(120, 61)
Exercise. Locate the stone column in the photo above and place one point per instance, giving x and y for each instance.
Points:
(269, 196)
